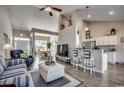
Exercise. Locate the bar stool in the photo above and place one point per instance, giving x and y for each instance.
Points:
(89, 65)
(75, 59)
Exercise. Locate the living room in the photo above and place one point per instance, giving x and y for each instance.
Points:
(62, 45)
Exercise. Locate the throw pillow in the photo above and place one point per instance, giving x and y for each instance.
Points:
(23, 55)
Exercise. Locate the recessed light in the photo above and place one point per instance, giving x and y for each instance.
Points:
(21, 34)
(88, 16)
(111, 12)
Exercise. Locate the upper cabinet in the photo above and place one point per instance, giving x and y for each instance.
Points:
(99, 41)
(104, 40)
(113, 40)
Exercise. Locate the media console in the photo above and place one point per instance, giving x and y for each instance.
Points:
(61, 58)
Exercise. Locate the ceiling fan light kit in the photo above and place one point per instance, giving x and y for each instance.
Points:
(50, 9)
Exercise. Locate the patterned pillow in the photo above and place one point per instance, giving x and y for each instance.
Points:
(1, 68)
(3, 61)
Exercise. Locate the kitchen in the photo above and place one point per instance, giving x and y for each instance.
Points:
(104, 49)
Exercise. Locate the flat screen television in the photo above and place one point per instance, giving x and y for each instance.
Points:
(62, 50)
(59, 50)
(65, 50)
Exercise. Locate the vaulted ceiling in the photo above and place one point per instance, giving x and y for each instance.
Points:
(31, 17)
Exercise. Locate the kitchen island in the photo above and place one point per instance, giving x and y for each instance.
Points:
(100, 59)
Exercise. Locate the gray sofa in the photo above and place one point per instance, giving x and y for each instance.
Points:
(13, 72)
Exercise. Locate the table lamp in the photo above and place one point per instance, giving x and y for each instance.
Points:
(7, 48)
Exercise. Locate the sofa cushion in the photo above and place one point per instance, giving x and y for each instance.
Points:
(1, 68)
(12, 73)
(3, 61)
(17, 67)
(18, 81)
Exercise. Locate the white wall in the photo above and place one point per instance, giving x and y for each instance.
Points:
(103, 28)
(5, 26)
(78, 27)
(68, 36)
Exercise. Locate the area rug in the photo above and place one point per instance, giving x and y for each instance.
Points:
(66, 81)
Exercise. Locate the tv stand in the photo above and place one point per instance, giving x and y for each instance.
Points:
(64, 59)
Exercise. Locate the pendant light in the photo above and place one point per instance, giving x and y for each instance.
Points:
(21, 30)
(86, 28)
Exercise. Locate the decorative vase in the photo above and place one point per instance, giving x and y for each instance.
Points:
(49, 59)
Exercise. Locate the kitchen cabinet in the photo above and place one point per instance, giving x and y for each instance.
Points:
(112, 57)
(112, 40)
(104, 40)
(99, 41)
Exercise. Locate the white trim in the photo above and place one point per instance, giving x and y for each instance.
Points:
(73, 82)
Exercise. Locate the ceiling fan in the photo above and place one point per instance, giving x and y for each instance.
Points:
(50, 9)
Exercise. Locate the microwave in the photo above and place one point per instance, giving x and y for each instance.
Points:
(89, 45)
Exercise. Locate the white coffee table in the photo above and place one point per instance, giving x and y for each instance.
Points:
(50, 73)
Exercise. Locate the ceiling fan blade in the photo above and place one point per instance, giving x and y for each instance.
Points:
(41, 9)
(57, 9)
(51, 14)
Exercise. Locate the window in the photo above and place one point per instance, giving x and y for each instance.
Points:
(41, 44)
(22, 43)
